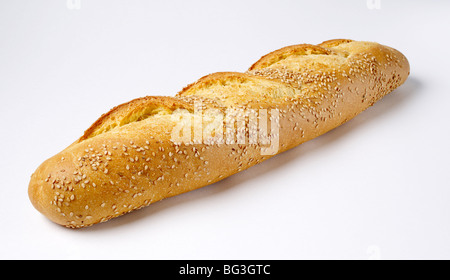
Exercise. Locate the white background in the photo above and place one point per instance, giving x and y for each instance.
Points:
(376, 187)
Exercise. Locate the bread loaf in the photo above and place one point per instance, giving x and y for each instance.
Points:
(156, 147)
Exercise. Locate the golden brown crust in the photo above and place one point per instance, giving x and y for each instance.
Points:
(275, 56)
(233, 89)
(127, 159)
(134, 110)
(334, 42)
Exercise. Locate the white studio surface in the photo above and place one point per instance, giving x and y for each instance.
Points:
(377, 187)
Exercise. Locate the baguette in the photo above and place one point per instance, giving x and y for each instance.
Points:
(156, 147)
